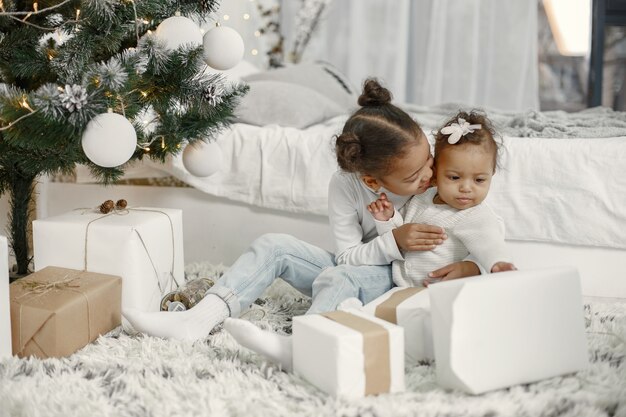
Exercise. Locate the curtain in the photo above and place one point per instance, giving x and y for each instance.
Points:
(428, 52)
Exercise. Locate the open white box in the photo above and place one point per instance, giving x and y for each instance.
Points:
(509, 328)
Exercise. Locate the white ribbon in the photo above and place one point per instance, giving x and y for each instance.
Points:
(456, 130)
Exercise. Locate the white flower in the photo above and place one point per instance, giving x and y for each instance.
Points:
(456, 130)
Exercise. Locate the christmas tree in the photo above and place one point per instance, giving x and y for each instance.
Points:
(102, 82)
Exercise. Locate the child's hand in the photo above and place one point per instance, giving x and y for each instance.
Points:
(382, 209)
(503, 266)
(419, 237)
(455, 270)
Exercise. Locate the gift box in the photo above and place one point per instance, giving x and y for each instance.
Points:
(349, 353)
(56, 311)
(409, 308)
(5, 317)
(508, 328)
(142, 245)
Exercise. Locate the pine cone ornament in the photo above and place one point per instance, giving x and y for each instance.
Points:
(74, 97)
(121, 204)
(107, 206)
(213, 94)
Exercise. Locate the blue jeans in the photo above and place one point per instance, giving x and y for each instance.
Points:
(309, 269)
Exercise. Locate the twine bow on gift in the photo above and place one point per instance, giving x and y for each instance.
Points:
(39, 287)
(456, 130)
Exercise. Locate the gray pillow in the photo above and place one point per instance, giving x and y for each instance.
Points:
(285, 104)
(321, 77)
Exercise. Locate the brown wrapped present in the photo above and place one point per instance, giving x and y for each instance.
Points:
(56, 311)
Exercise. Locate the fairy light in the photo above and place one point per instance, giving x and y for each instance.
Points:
(246, 16)
(36, 6)
(77, 13)
(254, 52)
(143, 93)
(257, 33)
(162, 143)
(226, 17)
(25, 104)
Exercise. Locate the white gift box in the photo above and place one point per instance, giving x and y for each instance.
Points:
(409, 308)
(508, 328)
(5, 303)
(345, 362)
(142, 245)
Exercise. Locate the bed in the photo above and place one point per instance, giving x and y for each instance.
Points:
(563, 199)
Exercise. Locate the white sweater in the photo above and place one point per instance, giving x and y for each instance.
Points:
(356, 240)
(477, 230)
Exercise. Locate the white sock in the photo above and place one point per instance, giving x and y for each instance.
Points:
(193, 324)
(349, 303)
(277, 348)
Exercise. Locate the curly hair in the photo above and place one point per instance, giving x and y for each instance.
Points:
(485, 136)
(376, 134)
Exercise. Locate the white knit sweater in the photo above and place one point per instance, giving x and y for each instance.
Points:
(477, 230)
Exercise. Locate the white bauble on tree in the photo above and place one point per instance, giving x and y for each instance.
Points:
(223, 48)
(177, 31)
(109, 140)
(202, 159)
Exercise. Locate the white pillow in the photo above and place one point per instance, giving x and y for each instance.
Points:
(285, 104)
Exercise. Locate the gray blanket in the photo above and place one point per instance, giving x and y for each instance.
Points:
(597, 122)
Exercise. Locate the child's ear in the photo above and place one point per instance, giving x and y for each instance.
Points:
(371, 182)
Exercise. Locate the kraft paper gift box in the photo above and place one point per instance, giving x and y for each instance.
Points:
(409, 308)
(508, 328)
(142, 245)
(56, 311)
(349, 353)
(5, 317)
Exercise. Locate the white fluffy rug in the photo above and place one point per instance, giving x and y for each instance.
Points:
(122, 375)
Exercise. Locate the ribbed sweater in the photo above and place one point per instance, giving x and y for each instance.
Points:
(477, 230)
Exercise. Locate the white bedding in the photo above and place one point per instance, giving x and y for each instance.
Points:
(570, 191)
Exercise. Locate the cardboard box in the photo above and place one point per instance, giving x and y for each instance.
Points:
(409, 308)
(349, 353)
(56, 311)
(5, 316)
(142, 245)
(508, 328)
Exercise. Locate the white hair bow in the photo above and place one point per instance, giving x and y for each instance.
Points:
(456, 130)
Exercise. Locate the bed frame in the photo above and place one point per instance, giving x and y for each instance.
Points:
(218, 230)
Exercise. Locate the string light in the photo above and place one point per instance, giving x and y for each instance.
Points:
(246, 16)
(162, 143)
(226, 17)
(145, 94)
(257, 33)
(254, 52)
(35, 6)
(25, 104)
(77, 13)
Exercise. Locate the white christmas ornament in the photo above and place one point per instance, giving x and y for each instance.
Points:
(109, 140)
(177, 31)
(202, 159)
(223, 48)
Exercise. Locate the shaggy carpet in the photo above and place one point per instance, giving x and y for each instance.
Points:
(126, 375)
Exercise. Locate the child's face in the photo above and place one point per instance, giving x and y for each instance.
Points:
(411, 173)
(463, 175)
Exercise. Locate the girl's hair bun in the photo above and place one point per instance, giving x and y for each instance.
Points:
(374, 94)
(348, 149)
